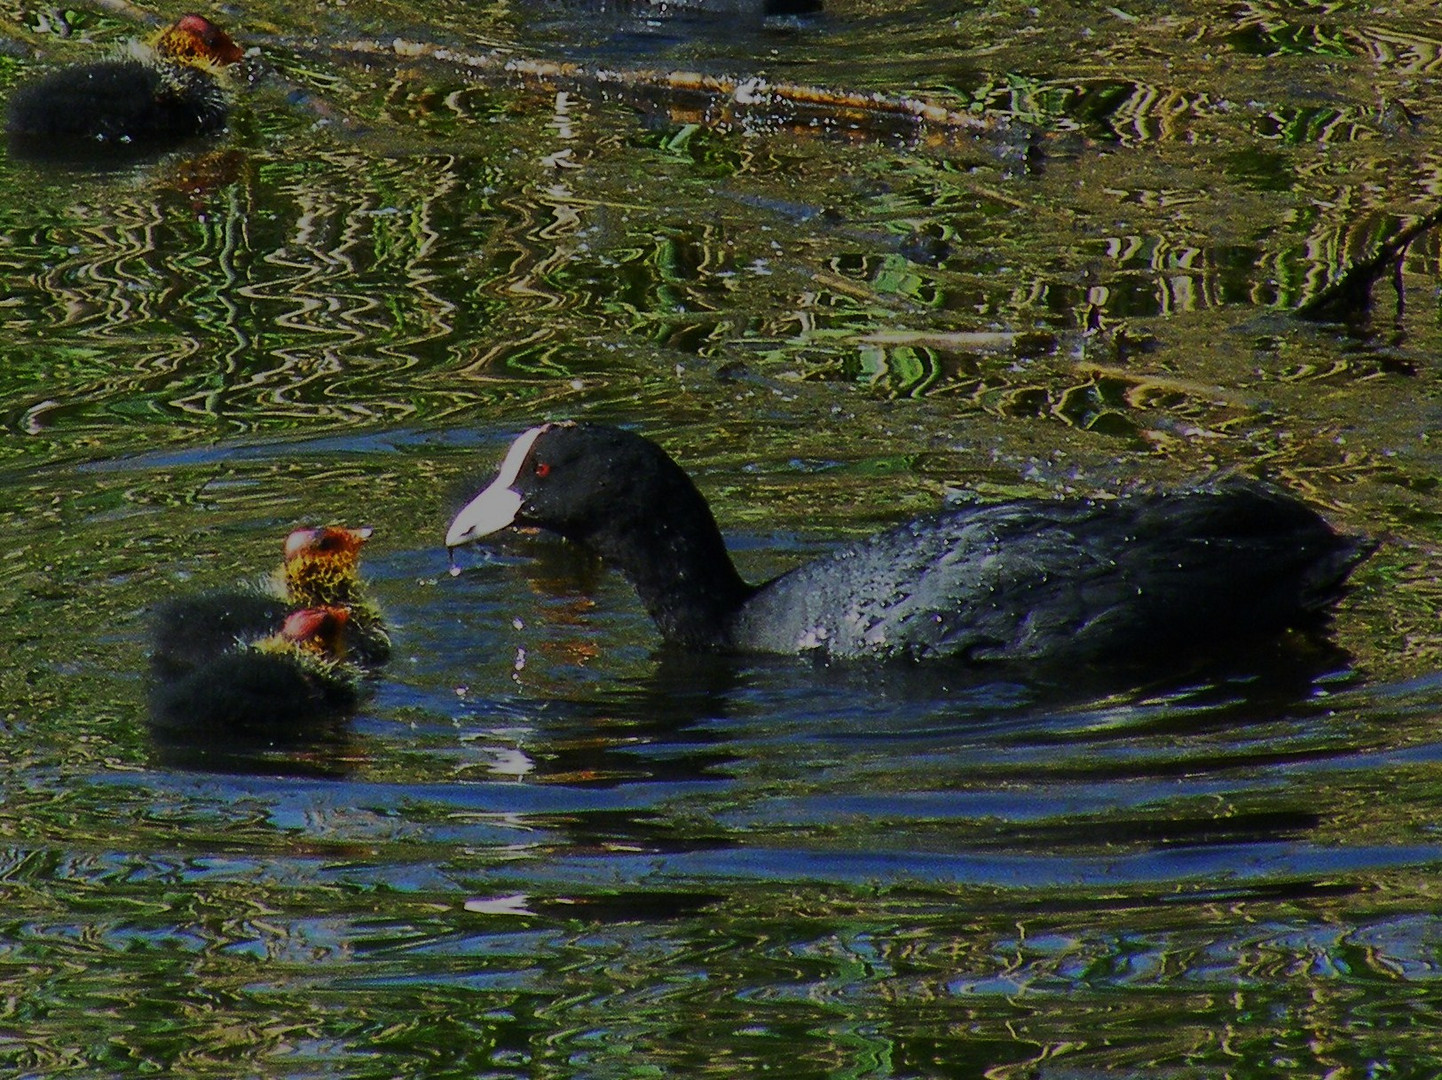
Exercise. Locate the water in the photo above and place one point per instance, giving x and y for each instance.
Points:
(544, 846)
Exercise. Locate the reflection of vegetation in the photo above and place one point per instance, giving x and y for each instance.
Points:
(340, 316)
(1262, 171)
(711, 155)
(1281, 39)
(1300, 126)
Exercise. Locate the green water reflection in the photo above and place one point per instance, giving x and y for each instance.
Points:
(544, 849)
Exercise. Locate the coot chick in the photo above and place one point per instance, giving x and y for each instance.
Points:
(190, 631)
(322, 569)
(281, 686)
(165, 91)
(1144, 579)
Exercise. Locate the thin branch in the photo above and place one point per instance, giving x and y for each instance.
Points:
(751, 93)
(1350, 295)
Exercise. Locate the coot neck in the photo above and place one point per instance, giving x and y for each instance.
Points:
(675, 558)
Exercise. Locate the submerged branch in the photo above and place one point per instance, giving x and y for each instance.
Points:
(1350, 295)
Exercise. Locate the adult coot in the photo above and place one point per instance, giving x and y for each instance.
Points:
(165, 91)
(1139, 579)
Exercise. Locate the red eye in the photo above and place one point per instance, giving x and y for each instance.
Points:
(543, 469)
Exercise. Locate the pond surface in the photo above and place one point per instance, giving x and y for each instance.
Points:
(544, 847)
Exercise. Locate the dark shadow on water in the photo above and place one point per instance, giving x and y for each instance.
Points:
(634, 30)
(329, 751)
(93, 156)
(658, 729)
(1244, 686)
(205, 720)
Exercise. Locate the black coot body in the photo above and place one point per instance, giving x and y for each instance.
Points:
(283, 686)
(190, 631)
(249, 692)
(118, 101)
(166, 92)
(1135, 580)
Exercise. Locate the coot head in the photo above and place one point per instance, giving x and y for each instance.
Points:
(579, 480)
(196, 41)
(318, 632)
(622, 496)
(333, 543)
(321, 563)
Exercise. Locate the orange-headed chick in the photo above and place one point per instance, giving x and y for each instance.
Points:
(280, 687)
(166, 90)
(317, 632)
(322, 569)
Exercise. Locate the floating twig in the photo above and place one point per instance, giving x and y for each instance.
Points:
(752, 92)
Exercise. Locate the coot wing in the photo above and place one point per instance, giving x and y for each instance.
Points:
(1106, 581)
